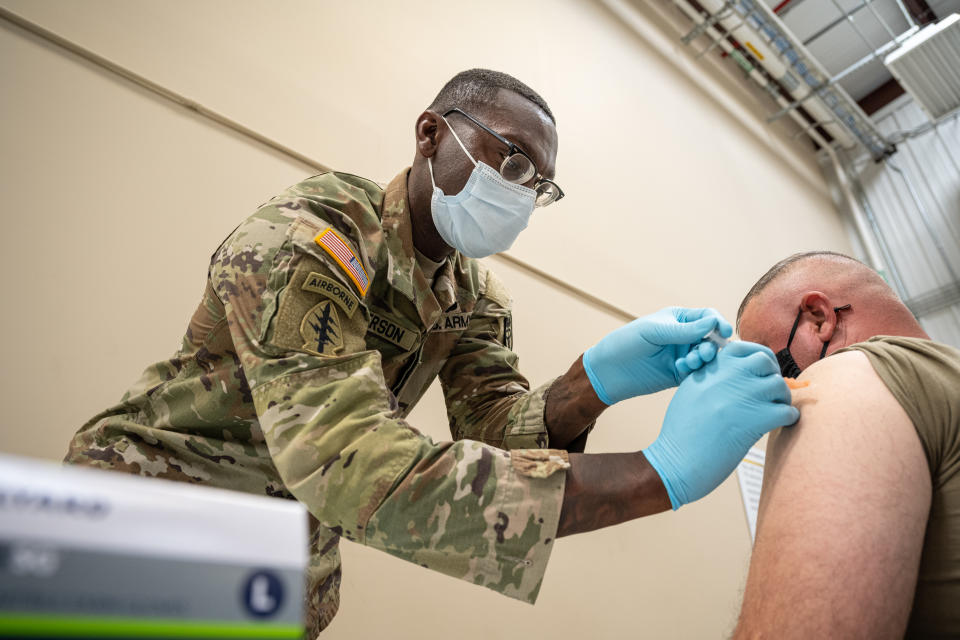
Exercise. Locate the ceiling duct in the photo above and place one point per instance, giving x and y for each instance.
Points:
(927, 65)
(768, 44)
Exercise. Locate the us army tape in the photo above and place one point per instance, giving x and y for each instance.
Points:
(89, 553)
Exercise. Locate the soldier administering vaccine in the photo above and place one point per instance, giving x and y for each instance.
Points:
(329, 312)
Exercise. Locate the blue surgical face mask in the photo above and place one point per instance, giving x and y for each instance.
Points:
(486, 216)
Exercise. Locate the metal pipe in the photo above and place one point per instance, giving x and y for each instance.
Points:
(902, 135)
(906, 13)
(772, 61)
(853, 24)
(925, 218)
(626, 10)
(752, 72)
(870, 57)
(786, 7)
(880, 19)
(792, 54)
(833, 24)
(861, 199)
(875, 257)
(878, 258)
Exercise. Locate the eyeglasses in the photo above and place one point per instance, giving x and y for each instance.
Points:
(518, 167)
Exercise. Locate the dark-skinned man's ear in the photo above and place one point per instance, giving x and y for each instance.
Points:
(426, 133)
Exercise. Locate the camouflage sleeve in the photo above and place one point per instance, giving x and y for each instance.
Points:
(335, 435)
(488, 399)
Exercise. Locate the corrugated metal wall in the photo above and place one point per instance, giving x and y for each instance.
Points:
(915, 198)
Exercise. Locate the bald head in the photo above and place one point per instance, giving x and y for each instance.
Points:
(819, 270)
(814, 285)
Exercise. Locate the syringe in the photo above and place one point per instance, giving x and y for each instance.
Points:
(715, 337)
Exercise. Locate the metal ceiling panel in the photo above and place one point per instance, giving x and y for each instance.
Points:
(838, 42)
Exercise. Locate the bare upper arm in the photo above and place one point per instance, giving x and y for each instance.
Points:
(843, 512)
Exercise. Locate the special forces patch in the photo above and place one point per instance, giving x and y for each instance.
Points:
(321, 330)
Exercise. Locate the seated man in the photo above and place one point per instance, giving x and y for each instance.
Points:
(859, 524)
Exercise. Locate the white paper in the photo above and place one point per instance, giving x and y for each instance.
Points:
(750, 476)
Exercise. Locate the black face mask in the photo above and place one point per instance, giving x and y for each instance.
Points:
(788, 366)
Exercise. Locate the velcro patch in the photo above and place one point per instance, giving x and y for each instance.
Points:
(392, 332)
(331, 241)
(321, 330)
(334, 290)
(452, 322)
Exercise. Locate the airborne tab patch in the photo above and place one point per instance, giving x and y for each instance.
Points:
(331, 241)
(321, 330)
(332, 289)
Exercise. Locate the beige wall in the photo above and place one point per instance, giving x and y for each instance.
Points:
(115, 199)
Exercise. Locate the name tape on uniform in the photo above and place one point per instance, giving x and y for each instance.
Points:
(452, 322)
(332, 289)
(392, 332)
(331, 241)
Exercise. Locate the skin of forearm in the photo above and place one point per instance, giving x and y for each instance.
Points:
(571, 406)
(604, 489)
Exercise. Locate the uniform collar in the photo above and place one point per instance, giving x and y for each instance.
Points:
(402, 272)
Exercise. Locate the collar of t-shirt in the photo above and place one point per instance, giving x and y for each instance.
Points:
(428, 266)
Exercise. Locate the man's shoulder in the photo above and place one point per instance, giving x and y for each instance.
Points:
(489, 285)
(906, 347)
(347, 202)
(333, 216)
(918, 371)
(840, 365)
(341, 191)
(843, 401)
(841, 384)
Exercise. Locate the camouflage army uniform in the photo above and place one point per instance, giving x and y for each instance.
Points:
(316, 335)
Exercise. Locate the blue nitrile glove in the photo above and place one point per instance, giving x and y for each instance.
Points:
(714, 418)
(641, 357)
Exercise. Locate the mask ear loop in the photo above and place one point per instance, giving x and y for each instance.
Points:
(457, 138)
(793, 331)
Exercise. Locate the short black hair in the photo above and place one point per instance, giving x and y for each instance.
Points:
(474, 89)
(780, 268)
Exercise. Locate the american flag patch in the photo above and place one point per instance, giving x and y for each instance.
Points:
(345, 256)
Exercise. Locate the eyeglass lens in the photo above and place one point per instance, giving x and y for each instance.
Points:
(518, 169)
(547, 192)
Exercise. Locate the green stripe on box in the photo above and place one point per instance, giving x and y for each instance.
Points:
(88, 627)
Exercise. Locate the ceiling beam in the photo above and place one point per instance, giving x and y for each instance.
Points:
(880, 97)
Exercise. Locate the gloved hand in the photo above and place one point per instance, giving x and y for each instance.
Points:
(642, 357)
(714, 418)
